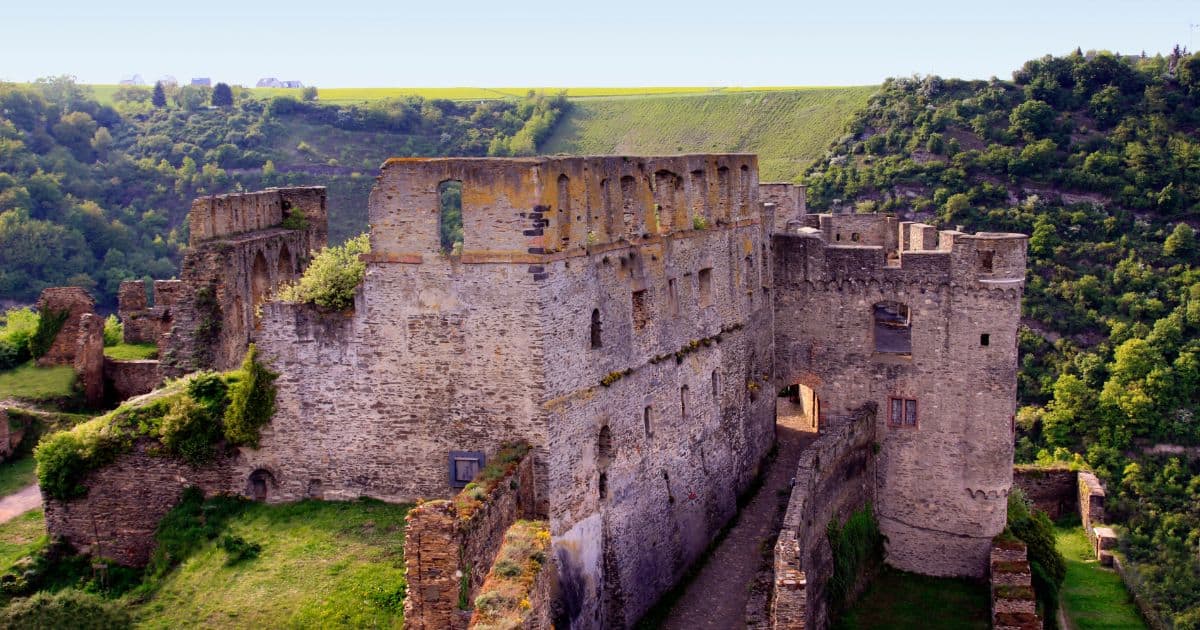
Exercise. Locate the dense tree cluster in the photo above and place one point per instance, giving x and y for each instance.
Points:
(1095, 156)
(94, 194)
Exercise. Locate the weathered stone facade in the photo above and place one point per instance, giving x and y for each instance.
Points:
(1014, 605)
(89, 358)
(871, 310)
(1054, 491)
(76, 302)
(631, 318)
(139, 320)
(126, 379)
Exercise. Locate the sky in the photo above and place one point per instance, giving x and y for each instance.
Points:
(519, 43)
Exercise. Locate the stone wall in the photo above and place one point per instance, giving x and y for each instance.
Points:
(790, 202)
(835, 477)
(125, 501)
(76, 302)
(443, 550)
(945, 476)
(89, 358)
(239, 255)
(1014, 604)
(12, 432)
(125, 379)
(1091, 501)
(1054, 491)
(137, 317)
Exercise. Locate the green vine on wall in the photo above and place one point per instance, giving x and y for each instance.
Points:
(857, 549)
(50, 323)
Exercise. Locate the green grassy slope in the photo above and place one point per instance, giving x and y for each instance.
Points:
(902, 600)
(1092, 597)
(788, 128)
(322, 565)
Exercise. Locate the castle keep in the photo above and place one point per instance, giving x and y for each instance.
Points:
(639, 321)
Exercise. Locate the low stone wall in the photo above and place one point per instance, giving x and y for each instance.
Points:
(521, 601)
(1014, 604)
(835, 477)
(125, 379)
(125, 501)
(1054, 491)
(448, 556)
(1091, 501)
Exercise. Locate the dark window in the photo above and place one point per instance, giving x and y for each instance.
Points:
(646, 420)
(902, 413)
(893, 328)
(705, 287)
(602, 485)
(640, 316)
(854, 237)
(986, 260)
(683, 392)
(596, 331)
(464, 465)
(450, 223)
(672, 297)
(985, 339)
(716, 384)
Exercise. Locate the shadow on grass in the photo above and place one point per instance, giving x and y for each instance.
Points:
(900, 600)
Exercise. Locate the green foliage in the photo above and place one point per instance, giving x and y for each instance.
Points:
(49, 324)
(131, 351)
(16, 327)
(114, 331)
(450, 227)
(190, 525)
(1093, 598)
(159, 97)
(251, 401)
(857, 550)
(333, 276)
(222, 95)
(188, 418)
(1046, 564)
(239, 549)
(65, 609)
(32, 383)
(897, 599)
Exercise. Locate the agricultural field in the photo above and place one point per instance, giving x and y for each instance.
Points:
(787, 128)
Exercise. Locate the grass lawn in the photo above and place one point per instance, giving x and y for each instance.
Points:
(904, 600)
(29, 382)
(322, 565)
(21, 537)
(16, 474)
(1092, 596)
(131, 351)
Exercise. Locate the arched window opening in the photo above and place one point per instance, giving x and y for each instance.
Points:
(893, 328)
(284, 266)
(854, 237)
(724, 192)
(260, 280)
(259, 484)
(597, 333)
(450, 222)
(986, 260)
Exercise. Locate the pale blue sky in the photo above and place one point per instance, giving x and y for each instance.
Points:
(342, 43)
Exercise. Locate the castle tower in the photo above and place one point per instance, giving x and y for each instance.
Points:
(924, 324)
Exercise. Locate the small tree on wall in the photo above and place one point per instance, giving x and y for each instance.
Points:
(222, 96)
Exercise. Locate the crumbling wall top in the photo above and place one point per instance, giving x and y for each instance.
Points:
(215, 216)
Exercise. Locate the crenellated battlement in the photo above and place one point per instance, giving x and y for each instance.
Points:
(547, 205)
(223, 215)
(870, 247)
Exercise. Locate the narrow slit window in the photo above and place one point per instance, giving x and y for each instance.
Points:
(640, 317)
(646, 420)
(672, 297)
(597, 332)
(683, 393)
(706, 287)
(716, 384)
(450, 223)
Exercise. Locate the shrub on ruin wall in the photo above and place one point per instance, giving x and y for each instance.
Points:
(50, 323)
(332, 278)
(189, 418)
(858, 548)
(504, 598)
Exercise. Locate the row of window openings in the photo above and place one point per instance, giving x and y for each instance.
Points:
(640, 314)
(893, 329)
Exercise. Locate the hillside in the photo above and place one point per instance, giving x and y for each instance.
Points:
(789, 128)
(1095, 156)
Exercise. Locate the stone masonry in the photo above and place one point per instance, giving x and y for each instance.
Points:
(76, 302)
(632, 319)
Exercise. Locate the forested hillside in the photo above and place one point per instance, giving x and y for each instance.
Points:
(92, 194)
(1097, 157)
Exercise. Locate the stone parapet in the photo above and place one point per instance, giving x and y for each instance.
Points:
(1014, 604)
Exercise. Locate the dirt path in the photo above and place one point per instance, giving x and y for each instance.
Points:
(20, 502)
(717, 597)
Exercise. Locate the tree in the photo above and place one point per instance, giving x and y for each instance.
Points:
(1181, 243)
(159, 98)
(309, 94)
(1031, 119)
(222, 96)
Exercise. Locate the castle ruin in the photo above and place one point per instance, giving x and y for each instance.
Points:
(640, 322)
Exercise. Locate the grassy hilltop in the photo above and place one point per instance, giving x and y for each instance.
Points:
(788, 128)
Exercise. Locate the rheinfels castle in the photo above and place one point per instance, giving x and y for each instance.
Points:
(639, 322)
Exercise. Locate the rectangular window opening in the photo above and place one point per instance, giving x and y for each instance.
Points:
(985, 339)
(706, 297)
(902, 413)
(672, 297)
(986, 260)
(640, 316)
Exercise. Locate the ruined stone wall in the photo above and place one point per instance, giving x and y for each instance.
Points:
(835, 477)
(126, 379)
(76, 302)
(790, 201)
(1054, 491)
(89, 358)
(137, 318)
(239, 255)
(1091, 501)
(943, 483)
(1013, 602)
(125, 501)
(442, 549)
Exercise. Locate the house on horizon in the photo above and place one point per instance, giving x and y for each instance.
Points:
(272, 82)
(136, 79)
(202, 81)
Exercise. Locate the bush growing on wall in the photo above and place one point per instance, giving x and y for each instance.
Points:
(333, 276)
(857, 549)
(48, 326)
(251, 401)
(114, 331)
